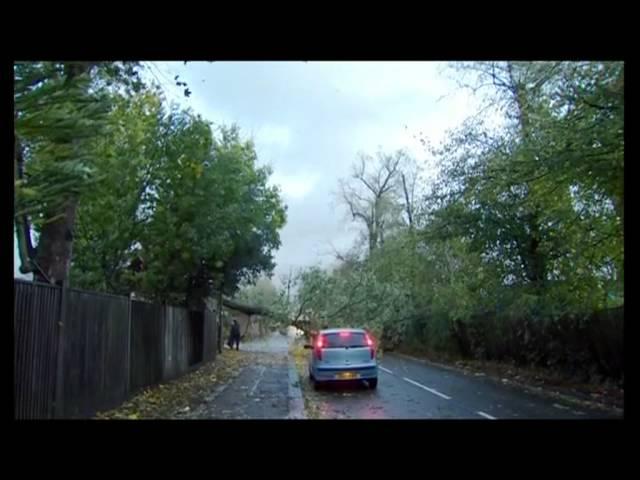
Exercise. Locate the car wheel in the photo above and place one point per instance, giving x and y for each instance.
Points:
(373, 383)
(316, 384)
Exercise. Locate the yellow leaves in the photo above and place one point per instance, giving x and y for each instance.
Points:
(167, 400)
(299, 354)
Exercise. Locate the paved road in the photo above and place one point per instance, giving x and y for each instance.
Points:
(409, 389)
(274, 343)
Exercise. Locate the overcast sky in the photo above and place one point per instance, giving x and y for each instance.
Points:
(310, 120)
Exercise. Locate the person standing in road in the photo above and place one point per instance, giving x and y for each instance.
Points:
(234, 338)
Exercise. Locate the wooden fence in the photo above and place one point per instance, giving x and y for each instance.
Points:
(77, 352)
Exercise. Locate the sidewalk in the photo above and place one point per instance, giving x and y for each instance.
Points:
(256, 382)
(267, 388)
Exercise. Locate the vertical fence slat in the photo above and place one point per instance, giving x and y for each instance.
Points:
(128, 362)
(59, 389)
(35, 317)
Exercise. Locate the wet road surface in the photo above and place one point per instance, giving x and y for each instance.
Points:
(271, 387)
(409, 389)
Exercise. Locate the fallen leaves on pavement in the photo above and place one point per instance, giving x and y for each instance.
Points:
(300, 357)
(167, 400)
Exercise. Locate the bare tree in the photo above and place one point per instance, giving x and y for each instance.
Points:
(370, 193)
(409, 178)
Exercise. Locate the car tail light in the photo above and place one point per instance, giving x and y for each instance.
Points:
(371, 345)
(319, 346)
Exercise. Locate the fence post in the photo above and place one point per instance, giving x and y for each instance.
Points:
(129, 356)
(219, 315)
(203, 338)
(62, 318)
(164, 337)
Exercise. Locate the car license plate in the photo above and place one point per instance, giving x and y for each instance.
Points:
(347, 375)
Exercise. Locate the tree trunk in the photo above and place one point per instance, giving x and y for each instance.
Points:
(373, 234)
(197, 292)
(54, 251)
(55, 246)
(535, 262)
(408, 204)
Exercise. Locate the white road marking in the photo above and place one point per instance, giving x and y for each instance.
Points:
(431, 390)
(255, 385)
(485, 415)
(385, 370)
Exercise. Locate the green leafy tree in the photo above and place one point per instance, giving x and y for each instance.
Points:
(59, 112)
(179, 213)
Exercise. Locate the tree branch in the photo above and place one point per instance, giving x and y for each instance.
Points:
(406, 197)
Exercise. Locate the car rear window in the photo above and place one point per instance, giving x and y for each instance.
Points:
(346, 339)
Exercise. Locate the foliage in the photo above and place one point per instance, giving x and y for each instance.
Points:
(524, 222)
(180, 211)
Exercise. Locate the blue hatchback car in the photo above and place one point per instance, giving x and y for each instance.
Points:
(343, 354)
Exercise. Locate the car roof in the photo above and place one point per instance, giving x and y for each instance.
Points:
(338, 330)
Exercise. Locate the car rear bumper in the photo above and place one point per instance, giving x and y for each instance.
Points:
(332, 373)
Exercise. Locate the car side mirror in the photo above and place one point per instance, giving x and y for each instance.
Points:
(308, 347)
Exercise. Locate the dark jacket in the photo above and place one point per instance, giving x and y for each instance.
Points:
(235, 330)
